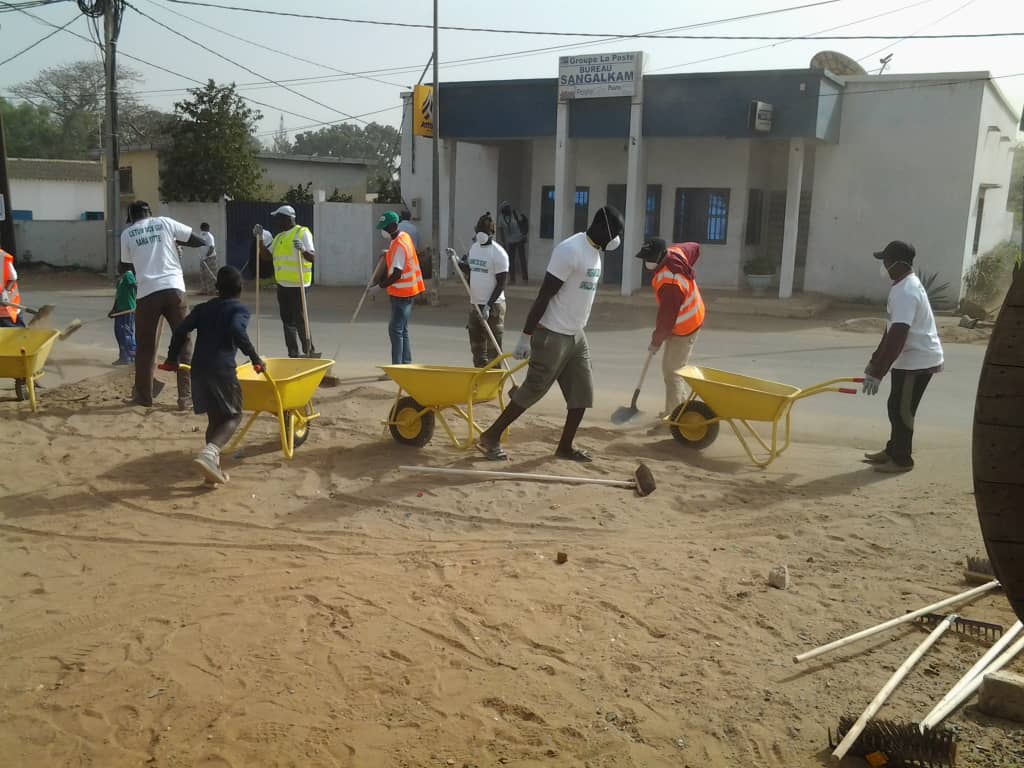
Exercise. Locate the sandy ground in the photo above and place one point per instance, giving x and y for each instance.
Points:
(334, 611)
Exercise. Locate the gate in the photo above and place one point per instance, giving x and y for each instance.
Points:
(241, 216)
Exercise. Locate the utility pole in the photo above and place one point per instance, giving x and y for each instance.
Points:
(111, 30)
(435, 204)
(7, 219)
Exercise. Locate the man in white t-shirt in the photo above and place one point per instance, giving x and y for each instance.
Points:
(207, 261)
(150, 243)
(910, 347)
(487, 266)
(553, 336)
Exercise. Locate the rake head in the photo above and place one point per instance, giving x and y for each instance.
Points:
(982, 630)
(902, 743)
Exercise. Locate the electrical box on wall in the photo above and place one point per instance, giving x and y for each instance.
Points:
(761, 114)
(414, 208)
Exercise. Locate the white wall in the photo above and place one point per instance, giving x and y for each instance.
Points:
(992, 166)
(283, 173)
(62, 243)
(542, 173)
(347, 245)
(56, 200)
(194, 214)
(715, 163)
(902, 170)
(476, 191)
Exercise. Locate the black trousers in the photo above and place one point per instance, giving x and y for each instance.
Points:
(289, 302)
(517, 256)
(907, 390)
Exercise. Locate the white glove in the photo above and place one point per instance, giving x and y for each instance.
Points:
(373, 290)
(871, 384)
(522, 351)
(298, 245)
(653, 348)
(5, 297)
(257, 231)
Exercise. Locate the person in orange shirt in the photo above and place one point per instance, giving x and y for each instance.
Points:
(680, 310)
(403, 280)
(10, 316)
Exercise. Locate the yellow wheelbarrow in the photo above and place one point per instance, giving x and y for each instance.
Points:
(284, 389)
(23, 352)
(739, 400)
(434, 389)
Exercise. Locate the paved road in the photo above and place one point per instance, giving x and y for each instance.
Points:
(796, 352)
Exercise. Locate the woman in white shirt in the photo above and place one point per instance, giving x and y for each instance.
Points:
(487, 266)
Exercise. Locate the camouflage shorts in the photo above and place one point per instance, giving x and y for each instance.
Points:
(480, 345)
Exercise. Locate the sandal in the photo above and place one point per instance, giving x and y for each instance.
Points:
(495, 453)
(576, 454)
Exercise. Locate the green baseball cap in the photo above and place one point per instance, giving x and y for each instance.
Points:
(387, 219)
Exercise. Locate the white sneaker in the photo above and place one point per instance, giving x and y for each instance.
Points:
(208, 463)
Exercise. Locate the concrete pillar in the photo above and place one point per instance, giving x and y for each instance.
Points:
(794, 180)
(636, 200)
(565, 175)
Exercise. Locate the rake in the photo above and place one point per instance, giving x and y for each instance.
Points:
(901, 743)
(981, 630)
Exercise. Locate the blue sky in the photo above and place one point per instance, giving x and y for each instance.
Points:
(333, 46)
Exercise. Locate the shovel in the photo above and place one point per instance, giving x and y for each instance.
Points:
(40, 314)
(305, 311)
(626, 413)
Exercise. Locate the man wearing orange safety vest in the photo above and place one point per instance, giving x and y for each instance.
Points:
(403, 281)
(10, 316)
(680, 310)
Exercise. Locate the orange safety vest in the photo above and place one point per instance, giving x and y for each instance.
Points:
(691, 311)
(13, 293)
(411, 282)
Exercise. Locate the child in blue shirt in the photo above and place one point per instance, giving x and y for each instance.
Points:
(220, 326)
(123, 314)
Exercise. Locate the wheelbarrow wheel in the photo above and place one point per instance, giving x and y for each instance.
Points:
(690, 425)
(408, 426)
(301, 431)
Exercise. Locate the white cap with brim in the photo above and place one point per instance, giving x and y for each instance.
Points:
(284, 210)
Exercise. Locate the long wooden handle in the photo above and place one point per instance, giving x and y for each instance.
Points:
(256, 239)
(640, 383)
(970, 688)
(897, 677)
(842, 642)
(302, 294)
(979, 668)
(490, 475)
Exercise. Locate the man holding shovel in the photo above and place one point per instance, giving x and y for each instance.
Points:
(403, 280)
(10, 298)
(553, 338)
(487, 267)
(292, 252)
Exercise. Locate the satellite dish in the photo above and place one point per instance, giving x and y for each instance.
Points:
(836, 63)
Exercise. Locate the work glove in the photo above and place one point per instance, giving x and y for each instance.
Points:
(373, 290)
(5, 297)
(522, 351)
(168, 365)
(653, 348)
(485, 310)
(298, 245)
(257, 364)
(257, 231)
(871, 384)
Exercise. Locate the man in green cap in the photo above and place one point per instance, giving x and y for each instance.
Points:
(403, 280)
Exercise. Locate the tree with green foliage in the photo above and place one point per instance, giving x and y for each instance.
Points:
(31, 131)
(300, 193)
(381, 144)
(212, 151)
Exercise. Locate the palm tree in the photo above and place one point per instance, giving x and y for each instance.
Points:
(999, 446)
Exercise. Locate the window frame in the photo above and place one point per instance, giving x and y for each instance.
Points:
(703, 198)
(546, 228)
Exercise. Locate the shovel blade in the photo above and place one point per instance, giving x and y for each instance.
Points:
(624, 414)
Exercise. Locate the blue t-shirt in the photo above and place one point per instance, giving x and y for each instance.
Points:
(221, 330)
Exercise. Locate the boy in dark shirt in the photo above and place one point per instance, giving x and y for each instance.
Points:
(220, 326)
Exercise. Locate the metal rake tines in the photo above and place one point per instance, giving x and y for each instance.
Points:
(902, 743)
(972, 627)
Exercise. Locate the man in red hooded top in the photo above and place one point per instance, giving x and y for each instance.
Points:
(680, 310)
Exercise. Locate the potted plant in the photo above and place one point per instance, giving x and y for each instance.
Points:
(760, 272)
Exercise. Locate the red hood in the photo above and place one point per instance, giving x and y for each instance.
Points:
(677, 263)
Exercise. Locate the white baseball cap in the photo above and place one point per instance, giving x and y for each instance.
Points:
(284, 210)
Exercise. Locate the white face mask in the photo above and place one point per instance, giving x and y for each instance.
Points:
(884, 272)
(651, 265)
(482, 238)
(613, 244)
(385, 235)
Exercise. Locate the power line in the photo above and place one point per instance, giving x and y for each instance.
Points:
(43, 39)
(328, 123)
(772, 45)
(926, 26)
(555, 33)
(262, 47)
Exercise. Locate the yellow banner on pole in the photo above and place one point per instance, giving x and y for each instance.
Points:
(423, 111)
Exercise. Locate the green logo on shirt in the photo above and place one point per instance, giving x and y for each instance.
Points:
(591, 285)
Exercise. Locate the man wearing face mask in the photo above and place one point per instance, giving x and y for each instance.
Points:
(512, 235)
(910, 347)
(553, 336)
(488, 270)
(289, 244)
(680, 310)
(403, 280)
